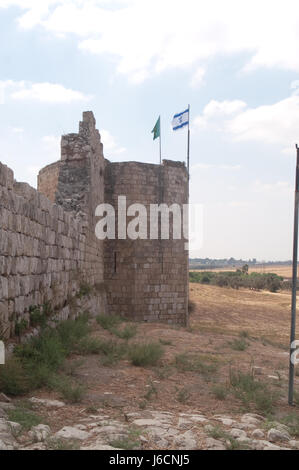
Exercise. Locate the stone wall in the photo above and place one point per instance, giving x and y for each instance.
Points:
(50, 257)
(48, 180)
(147, 279)
(79, 188)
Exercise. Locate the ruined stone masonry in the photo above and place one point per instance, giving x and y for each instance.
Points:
(50, 257)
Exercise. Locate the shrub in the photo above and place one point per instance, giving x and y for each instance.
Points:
(62, 444)
(20, 327)
(129, 442)
(239, 344)
(256, 282)
(70, 367)
(183, 395)
(108, 321)
(205, 279)
(164, 371)
(274, 284)
(230, 442)
(69, 390)
(128, 332)
(34, 362)
(143, 355)
(88, 345)
(252, 392)
(193, 363)
(244, 334)
(220, 392)
(236, 279)
(47, 308)
(85, 289)
(112, 352)
(71, 331)
(13, 378)
(24, 417)
(235, 282)
(151, 390)
(36, 317)
(73, 393)
(165, 342)
(46, 349)
(93, 410)
(292, 421)
(221, 281)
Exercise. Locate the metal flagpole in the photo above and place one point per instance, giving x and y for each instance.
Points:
(188, 144)
(294, 285)
(188, 161)
(160, 141)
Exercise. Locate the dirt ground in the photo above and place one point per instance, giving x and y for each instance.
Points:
(220, 316)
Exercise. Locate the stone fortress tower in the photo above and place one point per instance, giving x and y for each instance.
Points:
(142, 279)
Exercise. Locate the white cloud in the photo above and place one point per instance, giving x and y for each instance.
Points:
(277, 123)
(295, 87)
(17, 130)
(198, 77)
(273, 124)
(276, 188)
(49, 92)
(147, 37)
(216, 111)
(42, 92)
(110, 144)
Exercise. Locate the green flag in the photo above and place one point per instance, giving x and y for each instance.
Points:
(156, 129)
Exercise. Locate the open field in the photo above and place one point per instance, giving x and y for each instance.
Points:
(263, 314)
(230, 330)
(280, 270)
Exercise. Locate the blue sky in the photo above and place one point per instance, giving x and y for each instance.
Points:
(236, 63)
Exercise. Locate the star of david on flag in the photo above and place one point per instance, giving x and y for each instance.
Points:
(180, 120)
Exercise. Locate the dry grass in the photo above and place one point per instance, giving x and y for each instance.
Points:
(280, 270)
(262, 315)
(194, 371)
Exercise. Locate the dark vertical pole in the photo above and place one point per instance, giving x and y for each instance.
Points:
(115, 255)
(160, 141)
(294, 285)
(188, 143)
(160, 150)
(188, 170)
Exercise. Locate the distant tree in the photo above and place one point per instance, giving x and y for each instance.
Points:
(245, 269)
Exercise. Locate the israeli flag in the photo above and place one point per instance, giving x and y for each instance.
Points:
(180, 120)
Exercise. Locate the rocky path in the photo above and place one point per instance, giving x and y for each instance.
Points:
(148, 429)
